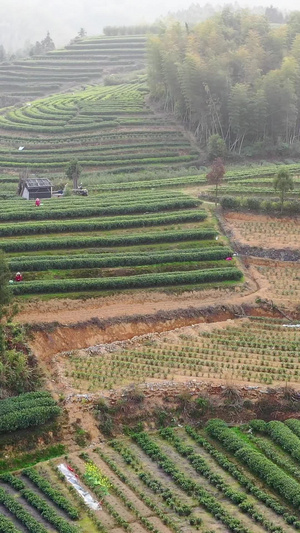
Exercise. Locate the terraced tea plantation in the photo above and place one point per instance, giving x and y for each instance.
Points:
(113, 242)
(249, 351)
(103, 127)
(79, 63)
(216, 480)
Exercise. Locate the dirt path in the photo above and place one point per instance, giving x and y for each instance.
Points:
(67, 311)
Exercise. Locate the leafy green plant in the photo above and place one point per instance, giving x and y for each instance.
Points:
(95, 478)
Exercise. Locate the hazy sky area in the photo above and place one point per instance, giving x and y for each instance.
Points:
(29, 20)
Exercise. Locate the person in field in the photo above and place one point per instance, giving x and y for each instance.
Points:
(37, 202)
(18, 277)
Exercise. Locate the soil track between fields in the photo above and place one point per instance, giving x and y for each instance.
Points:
(68, 311)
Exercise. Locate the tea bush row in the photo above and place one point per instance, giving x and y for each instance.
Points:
(130, 282)
(271, 474)
(54, 494)
(23, 401)
(47, 512)
(18, 245)
(259, 204)
(118, 260)
(243, 479)
(203, 468)
(31, 416)
(20, 513)
(10, 230)
(192, 488)
(85, 211)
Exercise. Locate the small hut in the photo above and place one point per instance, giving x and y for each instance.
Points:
(32, 188)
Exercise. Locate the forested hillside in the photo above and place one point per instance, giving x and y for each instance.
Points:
(234, 75)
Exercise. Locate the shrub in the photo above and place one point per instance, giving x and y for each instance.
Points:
(216, 147)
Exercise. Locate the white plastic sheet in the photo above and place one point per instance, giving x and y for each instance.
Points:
(85, 495)
(291, 325)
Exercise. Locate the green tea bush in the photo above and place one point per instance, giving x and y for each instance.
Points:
(130, 282)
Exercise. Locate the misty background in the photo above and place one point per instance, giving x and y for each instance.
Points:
(24, 23)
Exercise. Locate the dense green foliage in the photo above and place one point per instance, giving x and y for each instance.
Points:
(243, 479)
(31, 409)
(273, 476)
(52, 493)
(47, 512)
(294, 425)
(6, 526)
(10, 230)
(27, 459)
(284, 436)
(130, 282)
(38, 263)
(283, 183)
(19, 372)
(18, 245)
(237, 203)
(20, 513)
(234, 75)
(139, 206)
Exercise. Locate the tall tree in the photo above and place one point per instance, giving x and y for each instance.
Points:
(82, 33)
(216, 175)
(274, 15)
(239, 114)
(73, 172)
(47, 43)
(283, 183)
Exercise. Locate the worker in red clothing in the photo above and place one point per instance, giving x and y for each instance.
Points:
(38, 202)
(19, 277)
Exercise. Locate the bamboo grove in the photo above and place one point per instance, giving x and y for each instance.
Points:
(234, 75)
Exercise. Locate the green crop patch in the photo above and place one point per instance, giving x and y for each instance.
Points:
(172, 236)
(174, 479)
(40, 263)
(196, 277)
(27, 410)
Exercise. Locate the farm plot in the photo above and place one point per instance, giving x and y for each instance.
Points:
(283, 279)
(250, 351)
(113, 242)
(36, 500)
(186, 480)
(217, 479)
(104, 127)
(264, 231)
(85, 60)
